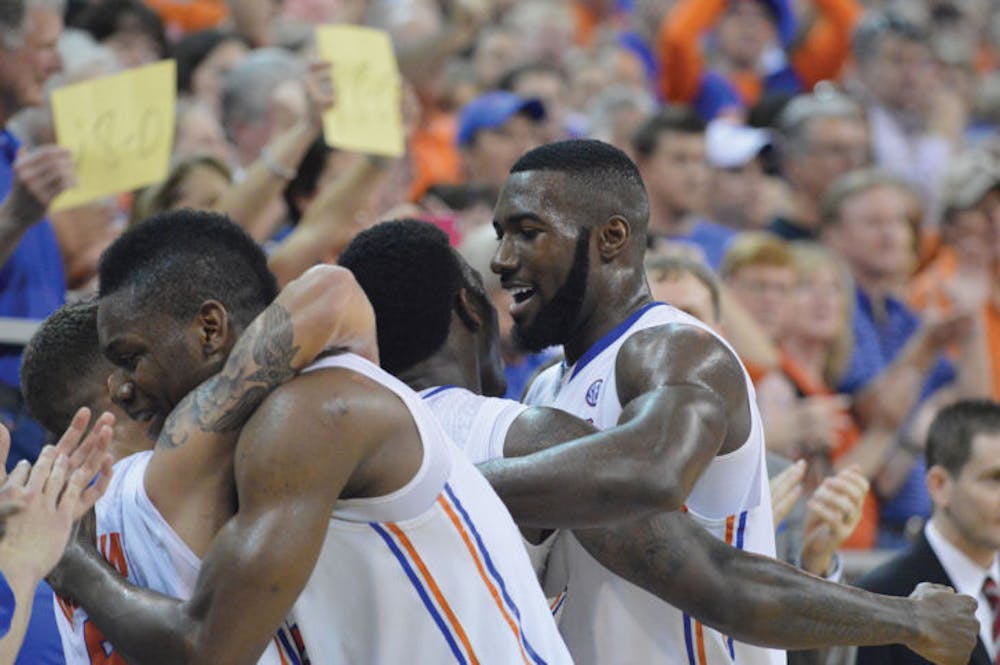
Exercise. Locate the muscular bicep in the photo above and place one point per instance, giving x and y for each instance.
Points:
(289, 474)
(540, 428)
(683, 355)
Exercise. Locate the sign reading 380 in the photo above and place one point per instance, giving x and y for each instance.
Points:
(120, 129)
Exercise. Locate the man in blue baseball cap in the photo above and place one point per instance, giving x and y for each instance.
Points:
(494, 130)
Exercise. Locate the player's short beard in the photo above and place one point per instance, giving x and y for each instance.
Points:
(556, 320)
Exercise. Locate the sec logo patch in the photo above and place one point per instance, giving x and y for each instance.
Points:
(594, 391)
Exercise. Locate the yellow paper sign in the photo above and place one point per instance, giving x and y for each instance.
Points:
(120, 129)
(365, 116)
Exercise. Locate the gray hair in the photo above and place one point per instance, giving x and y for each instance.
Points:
(601, 111)
(247, 87)
(14, 16)
(825, 102)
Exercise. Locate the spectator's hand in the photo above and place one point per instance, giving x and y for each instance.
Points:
(945, 329)
(786, 488)
(40, 175)
(946, 625)
(89, 453)
(53, 495)
(320, 94)
(819, 419)
(833, 513)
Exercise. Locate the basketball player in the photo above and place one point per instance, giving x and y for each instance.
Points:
(416, 538)
(571, 220)
(403, 268)
(138, 536)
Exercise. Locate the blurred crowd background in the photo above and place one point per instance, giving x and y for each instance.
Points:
(832, 164)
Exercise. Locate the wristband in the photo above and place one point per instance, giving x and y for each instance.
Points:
(274, 167)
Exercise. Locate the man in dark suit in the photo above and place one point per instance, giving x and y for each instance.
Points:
(960, 543)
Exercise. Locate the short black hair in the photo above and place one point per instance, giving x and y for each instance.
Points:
(412, 276)
(192, 50)
(680, 119)
(306, 180)
(104, 19)
(177, 260)
(510, 78)
(949, 441)
(62, 352)
(607, 173)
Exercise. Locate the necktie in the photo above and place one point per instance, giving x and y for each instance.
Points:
(992, 593)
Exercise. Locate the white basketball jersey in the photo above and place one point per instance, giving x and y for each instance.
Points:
(138, 542)
(606, 619)
(431, 573)
(477, 424)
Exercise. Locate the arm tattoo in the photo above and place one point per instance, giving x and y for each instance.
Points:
(260, 361)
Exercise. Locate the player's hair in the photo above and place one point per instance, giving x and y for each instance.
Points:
(176, 260)
(62, 353)
(411, 275)
(949, 440)
(608, 180)
(679, 119)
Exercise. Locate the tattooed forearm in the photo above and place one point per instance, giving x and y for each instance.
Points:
(260, 361)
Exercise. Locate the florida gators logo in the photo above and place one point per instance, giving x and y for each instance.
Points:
(594, 391)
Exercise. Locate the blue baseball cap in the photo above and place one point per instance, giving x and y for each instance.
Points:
(492, 109)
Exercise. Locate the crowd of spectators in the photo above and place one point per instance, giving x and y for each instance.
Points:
(834, 162)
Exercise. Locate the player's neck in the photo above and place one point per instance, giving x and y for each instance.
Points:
(609, 313)
(441, 369)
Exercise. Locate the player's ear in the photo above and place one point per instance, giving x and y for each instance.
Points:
(613, 237)
(465, 307)
(213, 327)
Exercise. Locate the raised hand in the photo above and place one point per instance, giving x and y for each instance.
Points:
(40, 175)
(320, 94)
(833, 513)
(945, 625)
(786, 488)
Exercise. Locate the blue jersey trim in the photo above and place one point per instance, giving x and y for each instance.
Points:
(611, 337)
(435, 391)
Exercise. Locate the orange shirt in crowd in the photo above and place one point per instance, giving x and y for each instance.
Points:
(865, 533)
(820, 55)
(929, 288)
(190, 15)
(435, 156)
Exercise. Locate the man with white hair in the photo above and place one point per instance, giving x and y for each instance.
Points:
(32, 283)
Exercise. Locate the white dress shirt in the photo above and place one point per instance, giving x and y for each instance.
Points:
(967, 577)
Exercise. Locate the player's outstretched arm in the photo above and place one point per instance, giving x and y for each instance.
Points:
(763, 601)
(288, 477)
(560, 472)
